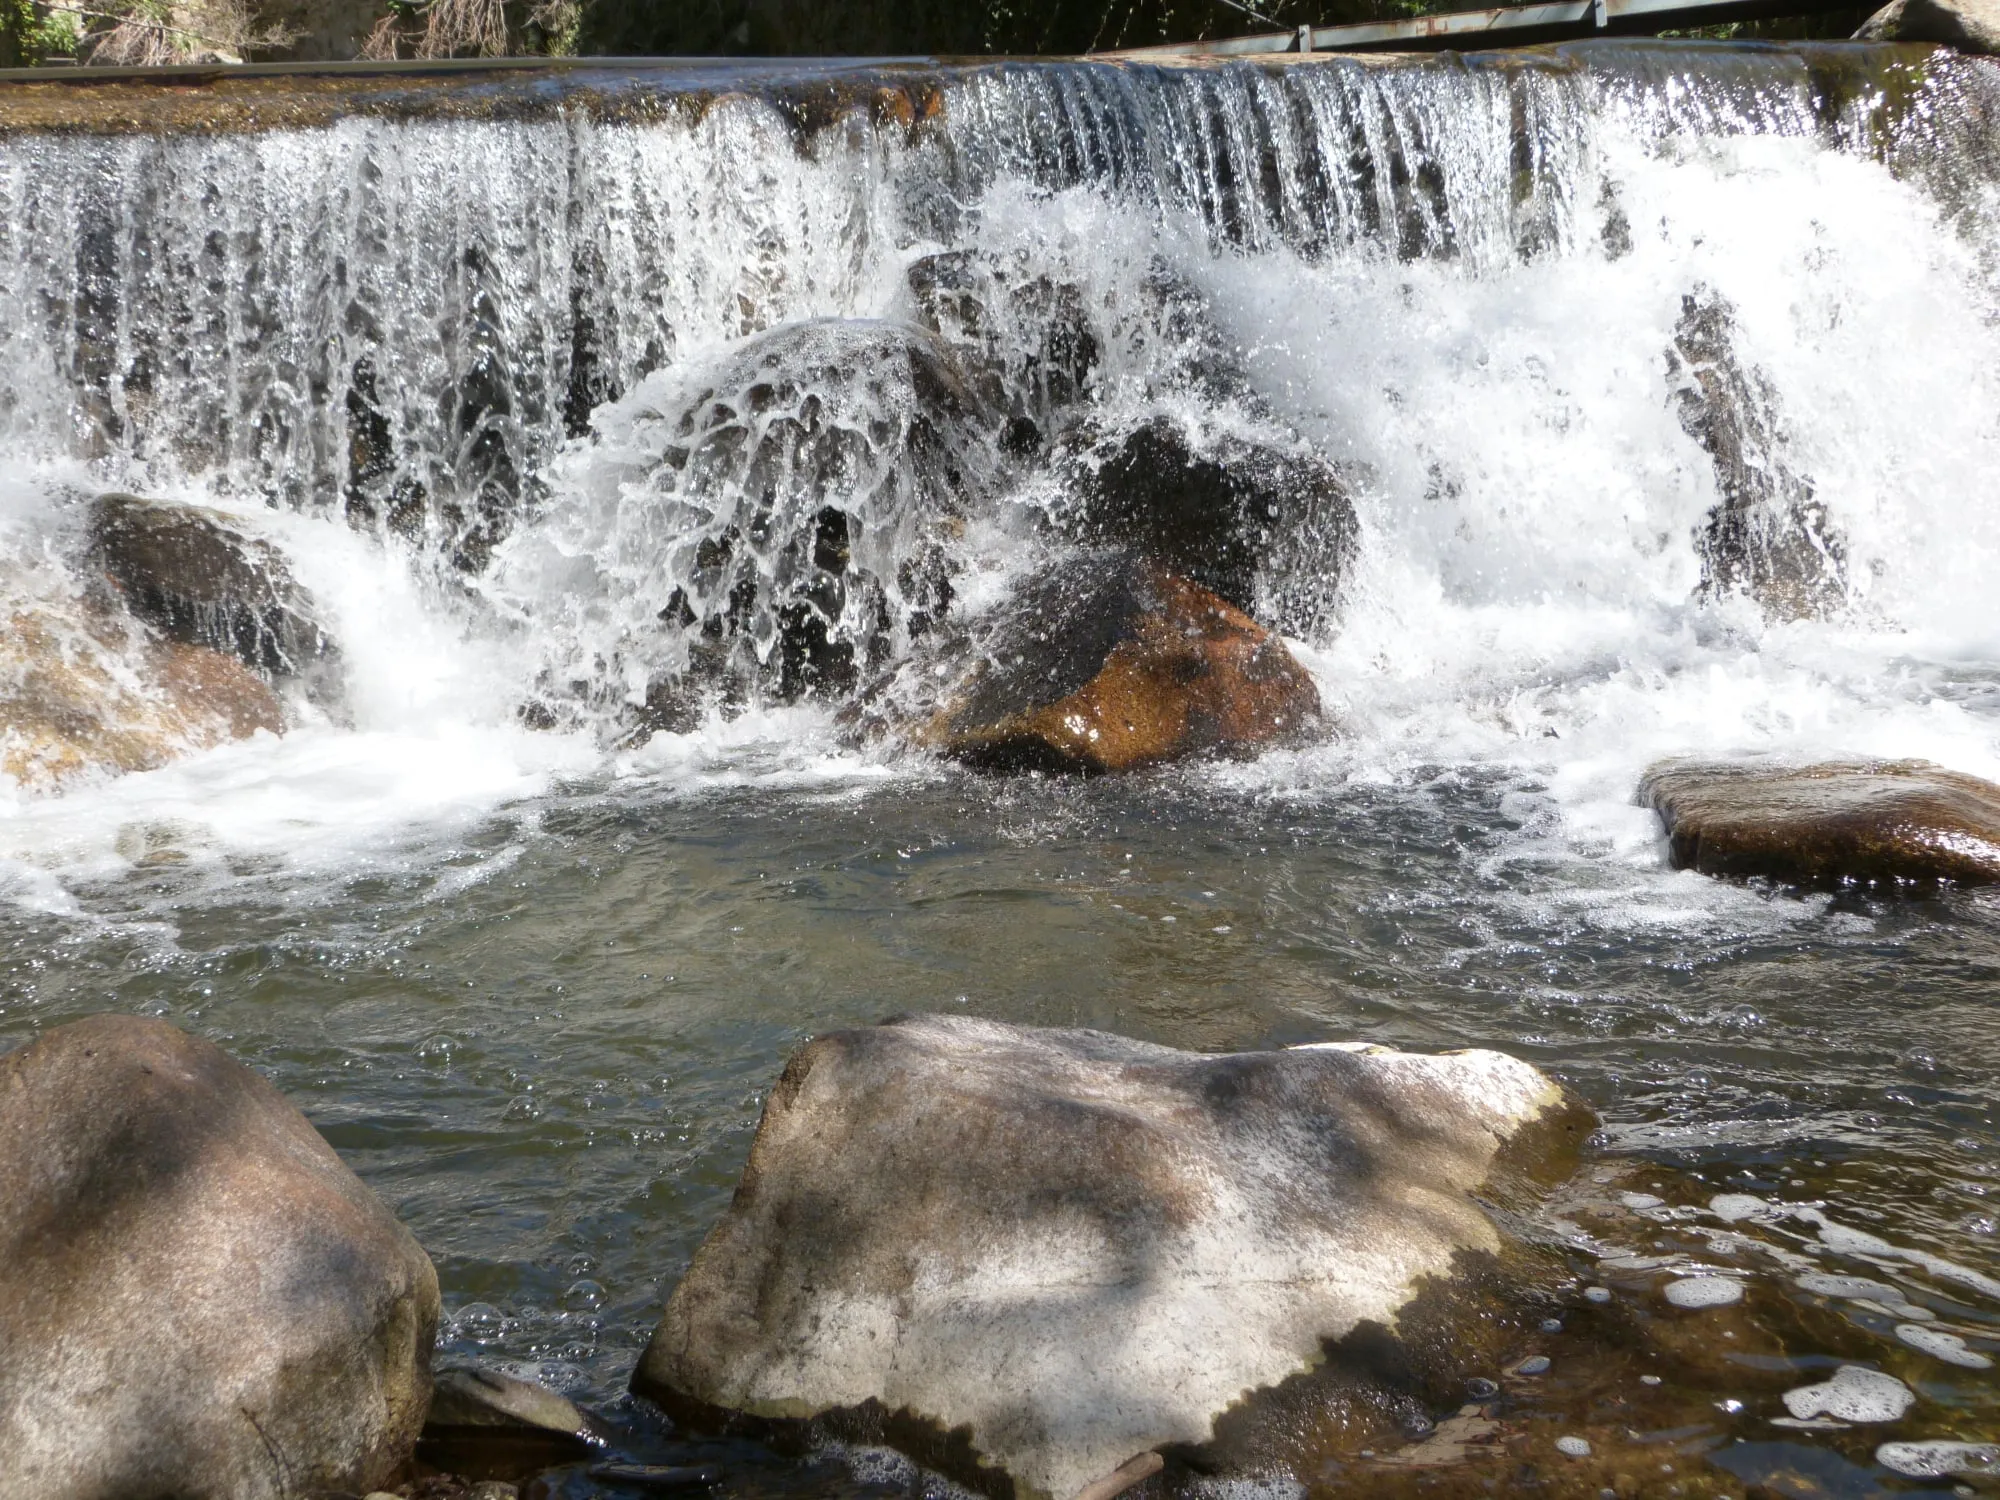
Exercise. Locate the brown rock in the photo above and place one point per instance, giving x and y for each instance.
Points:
(196, 1297)
(1829, 824)
(85, 691)
(1109, 663)
(1968, 25)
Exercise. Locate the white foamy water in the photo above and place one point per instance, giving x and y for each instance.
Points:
(451, 368)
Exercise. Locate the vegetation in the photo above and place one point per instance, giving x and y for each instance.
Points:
(137, 32)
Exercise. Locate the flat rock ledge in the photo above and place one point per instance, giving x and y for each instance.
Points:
(197, 1298)
(1029, 1257)
(1835, 823)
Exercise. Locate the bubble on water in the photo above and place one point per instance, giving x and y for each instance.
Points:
(1573, 1447)
(1939, 1458)
(1704, 1291)
(1535, 1364)
(1649, 1380)
(479, 1321)
(1552, 1325)
(1637, 1201)
(1948, 1347)
(1480, 1388)
(1855, 1394)
(1597, 1294)
(584, 1296)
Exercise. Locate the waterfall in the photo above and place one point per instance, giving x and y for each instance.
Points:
(733, 385)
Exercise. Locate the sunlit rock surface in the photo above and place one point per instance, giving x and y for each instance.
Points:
(86, 691)
(1065, 1248)
(1109, 662)
(196, 1296)
(1827, 824)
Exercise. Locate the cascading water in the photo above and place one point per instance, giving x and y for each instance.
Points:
(1662, 379)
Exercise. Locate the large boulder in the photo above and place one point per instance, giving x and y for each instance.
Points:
(1109, 662)
(1268, 527)
(1029, 1256)
(197, 1298)
(1828, 824)
(1968, 25)
(86, 691)
(197, 577)
(1768, 536)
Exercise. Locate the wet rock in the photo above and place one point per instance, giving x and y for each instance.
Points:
(86, 692)
(771, 525)
(1768, 537)
(196, 1296)
(197, 578)
(484, 1423)
(1028, 1256)
(1026, 338)
(1968, 25)
(1828, 824)
(1109, 662)
(1230, 514)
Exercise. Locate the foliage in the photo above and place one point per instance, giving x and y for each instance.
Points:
(31, 35)
(474, 28)
(134, 33)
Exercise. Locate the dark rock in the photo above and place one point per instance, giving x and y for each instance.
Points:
(1968, 25)
(1769, 537)
(1026, 338)
(1029, 1256)
(1219, 510)
(800, 491)
(483, 1423)
(1830, 824)
(196, 1297)
(1108, 662)
(194, 576)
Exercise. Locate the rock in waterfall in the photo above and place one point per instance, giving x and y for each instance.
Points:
(197, 1298)
(1828, 824)
(197, 577)
(1768, 537)
(1028, 1256)
(1230, 514)
(1109, 662)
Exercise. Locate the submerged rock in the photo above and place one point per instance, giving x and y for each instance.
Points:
(483, 1423)
(1828, 824)
(1109, 662)
(1218, 509)
(1769, 537)
(1028, 1256)
(1968, 25)
(197, 578)
(85, 691)
(196, 1296)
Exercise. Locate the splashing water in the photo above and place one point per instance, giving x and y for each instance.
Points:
(674, 407)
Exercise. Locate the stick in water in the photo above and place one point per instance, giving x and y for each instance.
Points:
(1122, 1478)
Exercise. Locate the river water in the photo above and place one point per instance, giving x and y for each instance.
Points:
(533, 982)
